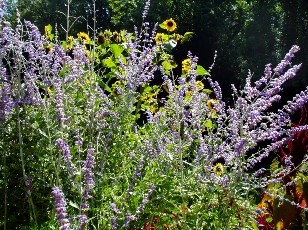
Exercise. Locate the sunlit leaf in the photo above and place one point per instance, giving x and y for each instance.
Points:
(201, 71)
(108, 62)
(116, 50)
(208, 124)
(162, 25)
(167, 65)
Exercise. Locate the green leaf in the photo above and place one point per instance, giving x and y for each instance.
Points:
(187, 37)
(116, 50)
(202, 71)
(214, 115)
(108, 62)
(208, 124)
(63, 43)
(123, 59)
(106, 87)
(208, 91)
(255, 226)
(161, 25)
(167, 65)
(73, 205)
(147, 89)
(48, 30)
(303, 176)
(51, 37)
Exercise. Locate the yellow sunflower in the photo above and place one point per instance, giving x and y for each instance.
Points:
(177, 37)
(186, 65)
(83, 36)
(159, 38)
(210, 103)
(219, 169)
(170, 24)
(70, 42)
(116, 36)
(70, 39)
(107, 34)
(100, 39)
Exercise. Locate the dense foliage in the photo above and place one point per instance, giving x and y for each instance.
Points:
(246, 33)
(115, 131)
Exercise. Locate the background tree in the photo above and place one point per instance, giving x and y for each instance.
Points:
(246, 33)
(43, 12)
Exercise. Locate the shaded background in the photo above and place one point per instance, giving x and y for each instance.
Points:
(247, 34)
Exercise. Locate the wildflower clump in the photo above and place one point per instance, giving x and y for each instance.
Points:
(71, 123)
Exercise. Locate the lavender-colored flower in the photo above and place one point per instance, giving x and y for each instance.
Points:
(29, 188)
(32, 95)
(145, 199)
(60, 206)
(114, 223)
(66, 153)
(150, 116)
(82, 221)
(88, 185)
(113, 207)
(2, 5)
(217, 90)
(287, 60)
(136, 176)
(298, 101)
(89, 175)
(146, 9)
(78, 141)
(239, 147)
(266, 77)
(139, 68)
(6, 100)
(84, 206)
(59, 101)
(128, 218)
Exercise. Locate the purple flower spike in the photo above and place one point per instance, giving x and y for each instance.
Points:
(2, 5)
(6, 101)
(287, 60)
(146, 9)
(89, 175)
(59, 101)
(66, 152)
(60, 208)
(88, 185)
(82, 221)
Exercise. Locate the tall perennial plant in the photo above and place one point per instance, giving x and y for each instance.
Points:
(91, 163)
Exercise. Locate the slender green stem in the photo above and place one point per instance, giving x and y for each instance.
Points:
(67, 21)
(5, 194)
(183, 206)
(20, 142)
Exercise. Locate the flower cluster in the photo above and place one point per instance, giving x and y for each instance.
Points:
(66, 154)
(88, 186)
(201, 155)
(60, 206)
(89, 175)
